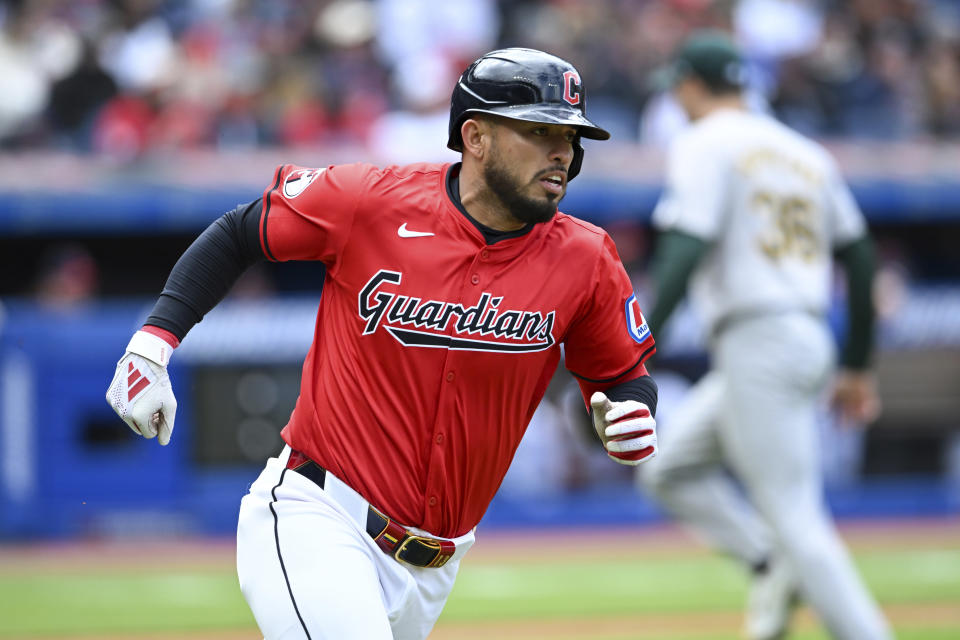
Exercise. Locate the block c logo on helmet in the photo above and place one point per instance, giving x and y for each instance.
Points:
(571, 79)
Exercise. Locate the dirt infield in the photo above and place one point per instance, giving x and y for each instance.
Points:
(113, 555)
(646, 626)
(643, 627)
(518, 546)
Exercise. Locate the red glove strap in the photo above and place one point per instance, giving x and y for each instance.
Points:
(163, 334)
(636, 413)
(632, 455)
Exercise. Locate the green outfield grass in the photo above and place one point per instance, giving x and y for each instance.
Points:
(98, 603)
(621, 591)
(688, 586)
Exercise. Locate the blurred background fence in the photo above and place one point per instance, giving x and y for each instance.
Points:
(127, 126)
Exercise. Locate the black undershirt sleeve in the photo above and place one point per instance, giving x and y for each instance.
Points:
(208, 269)
(642, 389)
(676, 257)
(859, 262)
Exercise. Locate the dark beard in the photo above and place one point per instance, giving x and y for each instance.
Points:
(507, 190)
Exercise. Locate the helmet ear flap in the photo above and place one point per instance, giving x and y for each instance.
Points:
(458, 110)
(577, 161)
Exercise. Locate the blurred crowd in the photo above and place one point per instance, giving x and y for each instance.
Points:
(124, 77)
(128, 78)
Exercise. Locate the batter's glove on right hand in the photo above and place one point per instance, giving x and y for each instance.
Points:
(140, 392)
(627, 429)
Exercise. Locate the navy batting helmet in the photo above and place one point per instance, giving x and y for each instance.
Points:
(524, 84)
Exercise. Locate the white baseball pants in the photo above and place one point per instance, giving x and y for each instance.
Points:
(309, 570)
(754, 415)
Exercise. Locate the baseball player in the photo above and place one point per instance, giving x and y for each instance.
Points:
(448, 291)
(750, 216)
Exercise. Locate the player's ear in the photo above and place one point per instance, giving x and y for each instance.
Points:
(475, 134)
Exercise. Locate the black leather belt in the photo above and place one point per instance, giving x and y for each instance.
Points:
(393, 538)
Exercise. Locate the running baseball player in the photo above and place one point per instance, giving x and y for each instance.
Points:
(448, 291)
(750, 216)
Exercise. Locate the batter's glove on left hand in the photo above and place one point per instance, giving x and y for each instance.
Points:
(140, 392)
(627, 429)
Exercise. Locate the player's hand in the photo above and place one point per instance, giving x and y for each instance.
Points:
(855, 396)
(627, 429)
(140, 392)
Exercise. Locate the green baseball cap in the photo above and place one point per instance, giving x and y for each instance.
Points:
(710, 55)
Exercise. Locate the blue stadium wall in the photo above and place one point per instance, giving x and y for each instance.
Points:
(69, 468)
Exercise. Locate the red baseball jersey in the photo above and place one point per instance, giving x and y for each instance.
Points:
(432, 349)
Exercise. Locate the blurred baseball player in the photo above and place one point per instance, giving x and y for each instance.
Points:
(750, 216)
(448, 292)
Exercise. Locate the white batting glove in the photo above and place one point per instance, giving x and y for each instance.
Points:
(627, 429)
(140, 392)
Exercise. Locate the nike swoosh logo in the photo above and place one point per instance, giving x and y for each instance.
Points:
(403, 232)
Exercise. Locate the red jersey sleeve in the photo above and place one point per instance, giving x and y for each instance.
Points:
(609, 342)
(308, 213)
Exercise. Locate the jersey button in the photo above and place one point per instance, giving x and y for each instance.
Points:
(450, 376)
(439, 438)
(433, 501)
(475, 279)
(484, 254)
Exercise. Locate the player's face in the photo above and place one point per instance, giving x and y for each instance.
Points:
(527, 167)
(689, 94)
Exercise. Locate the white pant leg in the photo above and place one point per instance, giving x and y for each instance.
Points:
(775, 370)
(329, 578)
(302, 566)
(688, 479)
(413, 617)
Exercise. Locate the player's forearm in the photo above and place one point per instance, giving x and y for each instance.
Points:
(208, 269)
(622, 416)
(642, 389)
(859, 264)
(676, 257)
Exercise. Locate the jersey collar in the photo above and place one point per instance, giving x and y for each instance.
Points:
(504, 248)
(490, 235)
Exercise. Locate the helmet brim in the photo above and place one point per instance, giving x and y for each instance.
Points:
(547, 114)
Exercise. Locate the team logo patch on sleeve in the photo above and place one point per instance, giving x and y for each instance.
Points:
(299, 180)
(636, 324)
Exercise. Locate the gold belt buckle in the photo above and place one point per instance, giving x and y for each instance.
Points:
(438, 561)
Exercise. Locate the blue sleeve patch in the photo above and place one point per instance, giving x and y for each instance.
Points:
(636, 324)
